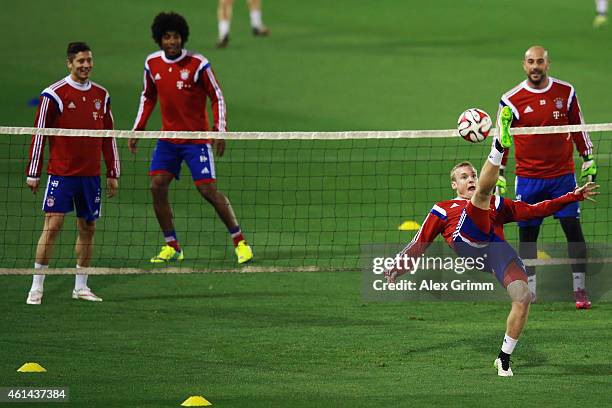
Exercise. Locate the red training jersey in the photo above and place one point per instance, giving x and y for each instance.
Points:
(68, 104)
(182, 86)
(444, 217)
(545, 156)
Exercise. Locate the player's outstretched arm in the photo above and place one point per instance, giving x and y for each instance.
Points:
(521, 211)
(587, 192)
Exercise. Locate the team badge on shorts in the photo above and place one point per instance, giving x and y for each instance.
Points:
(50, 202)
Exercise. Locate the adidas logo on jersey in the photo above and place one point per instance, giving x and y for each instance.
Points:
(71, 105)
(157, 77)
(528, 109)
(454, 205)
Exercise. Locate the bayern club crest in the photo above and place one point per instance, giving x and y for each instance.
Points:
(184, 74)
(50, 202)
(558, 103)
(97, 104)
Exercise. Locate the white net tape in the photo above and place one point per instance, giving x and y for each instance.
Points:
(379, 134)
(254, 269)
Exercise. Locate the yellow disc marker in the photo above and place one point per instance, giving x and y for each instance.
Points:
(543, 255)
(32, 368)
(196, 401)
(409, 226)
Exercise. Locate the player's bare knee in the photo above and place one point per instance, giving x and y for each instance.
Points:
(208, 191)
(158, 186)
(86, 228)
(160, 183)
(89, 230)
(519, 293)
(50, 234)
(159, 189)
(53, 224)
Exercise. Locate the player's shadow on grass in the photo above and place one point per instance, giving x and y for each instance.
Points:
(206, 294)
(295, 317)
(597, 369)
(198, 296)
(289, 316)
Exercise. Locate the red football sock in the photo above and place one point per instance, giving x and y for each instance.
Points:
(174, 244)
(237, 238)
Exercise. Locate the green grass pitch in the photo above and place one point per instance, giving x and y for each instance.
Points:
(297, 339)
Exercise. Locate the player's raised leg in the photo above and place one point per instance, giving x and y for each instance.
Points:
(172, 251)
(490, 170)
(44, 249)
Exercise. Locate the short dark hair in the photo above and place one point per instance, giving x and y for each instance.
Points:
(74, 48)
(171, 21)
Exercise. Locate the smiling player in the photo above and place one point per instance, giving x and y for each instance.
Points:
(73, 102)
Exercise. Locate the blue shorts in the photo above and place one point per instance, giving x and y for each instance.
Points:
(534, 190)
(65, 193)
(471, 241)
(168, 157)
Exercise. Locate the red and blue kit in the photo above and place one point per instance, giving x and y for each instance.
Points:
(546, 156)
(545, 163)
(470, 231)
(183, 86)
(74, 162)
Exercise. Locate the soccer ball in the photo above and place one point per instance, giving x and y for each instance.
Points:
(474, 125)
